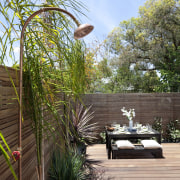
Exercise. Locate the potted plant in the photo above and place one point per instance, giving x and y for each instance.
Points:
(82, 131)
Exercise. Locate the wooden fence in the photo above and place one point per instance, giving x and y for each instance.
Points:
(9, 128)
(148, 106)
(107, 108)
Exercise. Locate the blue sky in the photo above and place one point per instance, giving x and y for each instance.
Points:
(107, 14)
(104, 15)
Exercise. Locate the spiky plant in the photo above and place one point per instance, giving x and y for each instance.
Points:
(67, 165)
(83, 130)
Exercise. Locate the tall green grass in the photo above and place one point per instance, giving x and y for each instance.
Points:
(67, 165)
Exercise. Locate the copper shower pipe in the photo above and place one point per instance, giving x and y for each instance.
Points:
(80, 32)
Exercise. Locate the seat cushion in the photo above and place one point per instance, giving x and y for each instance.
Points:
(124, 144)
(150, 144)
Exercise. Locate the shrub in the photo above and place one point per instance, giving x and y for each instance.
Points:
(173, 131)
(67, 165)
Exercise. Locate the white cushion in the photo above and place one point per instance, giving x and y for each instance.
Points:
(150, 144)
(124, 144)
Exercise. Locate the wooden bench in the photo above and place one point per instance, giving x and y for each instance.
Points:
(136, 152)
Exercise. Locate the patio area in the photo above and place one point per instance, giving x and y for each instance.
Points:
(107, 110)
(137, 169)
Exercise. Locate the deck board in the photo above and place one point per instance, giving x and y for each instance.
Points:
(145, 168)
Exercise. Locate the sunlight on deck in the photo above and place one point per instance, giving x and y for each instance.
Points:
(137, 169)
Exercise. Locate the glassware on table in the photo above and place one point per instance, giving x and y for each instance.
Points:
(149, 127)
(138, 126)
(124, 127)
(115, 125)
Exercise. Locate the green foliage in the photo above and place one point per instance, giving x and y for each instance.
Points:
(173, 131)
(53, 61)
(143, 53)
(6, 156)
(93, 74)
(104, 68)
(157, 124)
(69, 165)
(51, 65)
(103, 137)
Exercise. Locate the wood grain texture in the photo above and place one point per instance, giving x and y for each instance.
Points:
(9, 128)
(145, 168)
(107, 107)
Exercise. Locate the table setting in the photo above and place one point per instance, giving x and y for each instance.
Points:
(137, 128)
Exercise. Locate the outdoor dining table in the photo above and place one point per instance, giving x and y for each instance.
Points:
(129, 135)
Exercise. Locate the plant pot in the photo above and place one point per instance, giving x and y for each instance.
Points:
(81, 148)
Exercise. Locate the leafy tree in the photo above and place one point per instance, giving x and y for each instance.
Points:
(93, 69)
(162, 20)
(147, 45)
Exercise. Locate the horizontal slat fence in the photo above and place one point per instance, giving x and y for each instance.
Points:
(107, 107)
(9, 128)
(8, 116)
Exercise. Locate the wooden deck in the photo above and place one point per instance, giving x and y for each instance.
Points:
(144, 168)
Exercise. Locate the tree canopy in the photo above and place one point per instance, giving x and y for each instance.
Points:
(144, 52)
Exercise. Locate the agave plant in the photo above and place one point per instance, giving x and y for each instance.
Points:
(83, 131)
